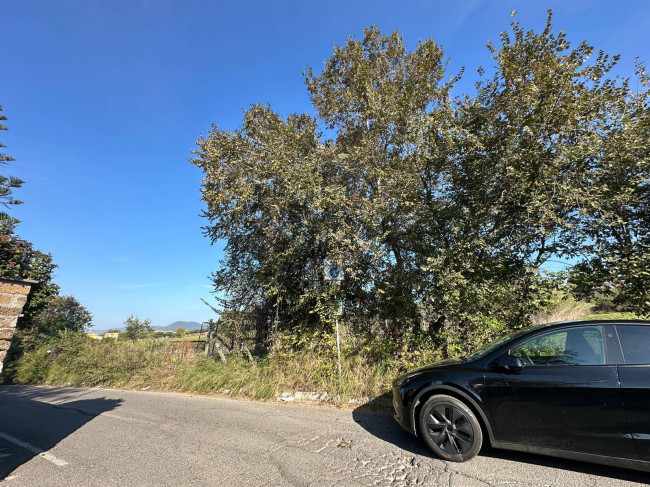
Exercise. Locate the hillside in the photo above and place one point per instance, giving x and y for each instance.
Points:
(188, 325)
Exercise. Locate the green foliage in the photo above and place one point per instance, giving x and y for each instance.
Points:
(136, 328)
(32, 368)
(300, 363)
(617, 209)
(438, 206)
(181, 331)
(74, 359)
(18, 259)
(615, 315)
(62, 313)
(7, 183)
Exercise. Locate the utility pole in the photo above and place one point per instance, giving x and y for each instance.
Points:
(334, 273)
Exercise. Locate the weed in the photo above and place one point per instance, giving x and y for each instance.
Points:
(368, 365)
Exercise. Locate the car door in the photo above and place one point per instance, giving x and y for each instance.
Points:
(635, 383)
(500, 402)
(568, 395)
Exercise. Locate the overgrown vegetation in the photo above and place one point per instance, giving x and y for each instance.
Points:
(298, 363)
(136, 328)
(76, 360)
(62, 313)
(443, 209)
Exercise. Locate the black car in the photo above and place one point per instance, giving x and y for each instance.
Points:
(578, 390)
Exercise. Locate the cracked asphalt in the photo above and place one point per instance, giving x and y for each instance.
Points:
(52, 436)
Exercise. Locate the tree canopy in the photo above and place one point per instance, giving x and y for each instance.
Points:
(135, 327)
(19, 259)
(62, 313)
(437, 204)
(7, 183)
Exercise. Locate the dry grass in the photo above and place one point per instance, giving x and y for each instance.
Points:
(74, 360)
(566, 309)
(367, 368)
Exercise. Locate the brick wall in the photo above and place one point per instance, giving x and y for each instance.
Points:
(13, 295)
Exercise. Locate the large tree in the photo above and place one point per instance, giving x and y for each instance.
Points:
(62, 313)
(617, 256)
(391, 110)
(285, 197)
(437, 205)
(526, 148)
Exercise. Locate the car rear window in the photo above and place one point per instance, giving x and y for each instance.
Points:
(635, 340)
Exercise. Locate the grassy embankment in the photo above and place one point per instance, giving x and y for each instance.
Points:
(158, 364)
(76, 360)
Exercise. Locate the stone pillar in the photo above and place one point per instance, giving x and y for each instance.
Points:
(13, 295)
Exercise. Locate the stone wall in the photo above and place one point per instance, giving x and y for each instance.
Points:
(13, 295)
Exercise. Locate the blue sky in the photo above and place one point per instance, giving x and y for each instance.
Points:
(106, 99)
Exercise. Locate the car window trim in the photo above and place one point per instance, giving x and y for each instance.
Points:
(615, 354)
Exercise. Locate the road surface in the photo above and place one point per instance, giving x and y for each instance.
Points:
(52, 436)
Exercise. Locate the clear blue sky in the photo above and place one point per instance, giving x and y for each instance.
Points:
(105, 100)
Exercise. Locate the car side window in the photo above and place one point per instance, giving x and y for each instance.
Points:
(635, 341)
(582, 345)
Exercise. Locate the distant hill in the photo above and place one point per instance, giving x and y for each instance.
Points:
(188, 325)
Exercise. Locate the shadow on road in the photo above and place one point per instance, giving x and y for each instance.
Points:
(379, 422)
(39, 425)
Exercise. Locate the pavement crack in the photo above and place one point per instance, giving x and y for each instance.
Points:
(71, 408)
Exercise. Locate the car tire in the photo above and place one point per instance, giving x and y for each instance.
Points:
(450, 429)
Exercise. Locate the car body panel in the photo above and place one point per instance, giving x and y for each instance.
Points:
(636, 396)
(574, 411)
(576, 408)
(635, 380)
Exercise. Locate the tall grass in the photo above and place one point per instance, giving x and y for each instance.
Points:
(564, 307)
(368, 365)
(75, 360)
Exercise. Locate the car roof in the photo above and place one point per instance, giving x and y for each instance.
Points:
(560, 324)
(564, 324)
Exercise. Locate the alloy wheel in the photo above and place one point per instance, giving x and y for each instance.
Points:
(449, 429)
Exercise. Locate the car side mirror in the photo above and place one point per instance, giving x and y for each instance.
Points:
(509, 364)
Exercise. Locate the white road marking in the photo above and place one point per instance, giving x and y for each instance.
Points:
(34, 449)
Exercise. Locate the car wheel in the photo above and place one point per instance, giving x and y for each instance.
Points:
(450, 428)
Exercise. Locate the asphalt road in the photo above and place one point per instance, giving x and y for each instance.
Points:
(87, 437)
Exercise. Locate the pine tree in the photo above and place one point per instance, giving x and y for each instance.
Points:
(7, 183)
